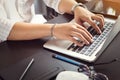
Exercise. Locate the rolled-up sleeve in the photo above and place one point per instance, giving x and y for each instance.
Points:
(5, 24)
(53, 4)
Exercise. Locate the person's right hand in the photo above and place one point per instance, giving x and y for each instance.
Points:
(68, 31)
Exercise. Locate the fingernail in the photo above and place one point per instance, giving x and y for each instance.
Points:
(88, 43)
(92, 40)
(99, 32)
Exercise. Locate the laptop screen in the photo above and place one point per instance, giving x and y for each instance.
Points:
(108, 7)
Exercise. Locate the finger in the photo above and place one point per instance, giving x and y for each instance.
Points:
(93, 24)
(100, 19)
(84, 34)
(101, 16)
(78, 26)
(72, 39)
(81, 37)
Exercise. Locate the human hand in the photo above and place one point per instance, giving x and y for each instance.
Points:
(68, 31)
(83, 15)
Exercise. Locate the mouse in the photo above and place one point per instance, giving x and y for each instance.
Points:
(71, 75)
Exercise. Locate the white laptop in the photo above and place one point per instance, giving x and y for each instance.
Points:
(88, 53)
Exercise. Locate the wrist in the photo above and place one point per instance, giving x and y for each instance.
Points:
(52, 30)
(77, 6)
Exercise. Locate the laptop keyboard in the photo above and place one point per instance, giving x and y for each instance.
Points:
(98, 41)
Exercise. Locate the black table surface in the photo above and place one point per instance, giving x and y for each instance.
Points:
(14, 52)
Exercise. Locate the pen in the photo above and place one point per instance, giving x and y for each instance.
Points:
(25, 71)
(81, 65)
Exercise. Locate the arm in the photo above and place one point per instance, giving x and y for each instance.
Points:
(14, 30)
(11, 29)
(80, 14)
(28, 31)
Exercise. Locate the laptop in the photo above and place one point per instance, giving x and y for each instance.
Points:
(91, 52)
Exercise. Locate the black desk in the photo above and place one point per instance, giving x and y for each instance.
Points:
(14, 52)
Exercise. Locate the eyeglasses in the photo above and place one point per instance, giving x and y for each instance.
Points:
(90, 71)
(93, 75)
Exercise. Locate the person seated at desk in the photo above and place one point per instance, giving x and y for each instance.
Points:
(15, 16)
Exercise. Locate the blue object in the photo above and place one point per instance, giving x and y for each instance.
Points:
(69, 60)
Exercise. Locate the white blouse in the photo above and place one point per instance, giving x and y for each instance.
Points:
(12, 11)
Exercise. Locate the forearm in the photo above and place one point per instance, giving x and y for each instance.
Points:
(66, 5)
(28, 31)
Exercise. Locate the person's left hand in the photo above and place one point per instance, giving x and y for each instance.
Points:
(83, 15)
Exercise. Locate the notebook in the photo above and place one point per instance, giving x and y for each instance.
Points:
(91, 52)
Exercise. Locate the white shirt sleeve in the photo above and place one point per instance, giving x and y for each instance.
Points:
(5, 24)
(53, 4)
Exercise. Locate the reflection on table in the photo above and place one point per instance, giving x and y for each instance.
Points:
(111, 7)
